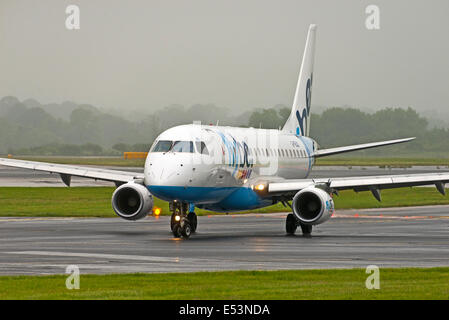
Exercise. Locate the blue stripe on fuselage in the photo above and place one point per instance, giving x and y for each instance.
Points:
(191, 194)
(212, 198)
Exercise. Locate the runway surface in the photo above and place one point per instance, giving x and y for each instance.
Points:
(385, 237)
(403, 237)
(15, 177)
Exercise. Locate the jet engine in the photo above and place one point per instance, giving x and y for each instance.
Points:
(312, 206)
(132, 201)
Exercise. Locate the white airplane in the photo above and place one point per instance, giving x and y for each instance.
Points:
(227, 169)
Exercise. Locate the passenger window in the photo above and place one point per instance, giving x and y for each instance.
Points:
(162, 146)
(201, 147)
(183, 146)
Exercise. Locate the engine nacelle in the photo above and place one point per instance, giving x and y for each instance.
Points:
(132, 201)
(312, 206)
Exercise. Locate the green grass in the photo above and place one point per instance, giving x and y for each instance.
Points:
(96, 201)
(408, 283)
(56, 202)
(327, 161)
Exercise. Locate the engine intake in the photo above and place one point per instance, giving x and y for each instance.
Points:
(312, 206)
(132, 201)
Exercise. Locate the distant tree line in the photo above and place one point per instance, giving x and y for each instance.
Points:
(30, 128)
(345, 126)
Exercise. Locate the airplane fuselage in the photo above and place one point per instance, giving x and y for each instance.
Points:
(217, 167)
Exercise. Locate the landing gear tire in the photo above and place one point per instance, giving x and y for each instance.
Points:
(306, 230)
(193, 221)
(291, 224)
(172, 221)
(177, 230)
(186, 229)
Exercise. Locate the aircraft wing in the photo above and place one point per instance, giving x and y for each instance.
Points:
(67, 171)
(364, 183)
(331, 151)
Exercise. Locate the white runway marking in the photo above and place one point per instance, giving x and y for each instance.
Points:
(97, 255)
(109, 256)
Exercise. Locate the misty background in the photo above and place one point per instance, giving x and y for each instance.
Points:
(137, 67)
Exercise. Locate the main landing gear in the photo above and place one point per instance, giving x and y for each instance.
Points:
(292, 223)
(183, 220)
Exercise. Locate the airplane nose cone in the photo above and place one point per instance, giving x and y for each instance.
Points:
(154, 174)
(168, 170)
(178, 177)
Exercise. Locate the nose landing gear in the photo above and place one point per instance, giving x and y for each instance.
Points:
(182, 223)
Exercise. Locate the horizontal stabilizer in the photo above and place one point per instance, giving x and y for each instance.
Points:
(331, 151)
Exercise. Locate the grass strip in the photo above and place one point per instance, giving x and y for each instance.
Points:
(96, 201)
(404, 283)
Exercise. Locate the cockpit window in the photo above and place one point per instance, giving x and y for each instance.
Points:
(201, 147)
(182, 146)
(162, 146)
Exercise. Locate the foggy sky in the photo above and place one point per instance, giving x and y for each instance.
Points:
(142, 54)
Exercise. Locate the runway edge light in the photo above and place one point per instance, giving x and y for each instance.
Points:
(157, 211)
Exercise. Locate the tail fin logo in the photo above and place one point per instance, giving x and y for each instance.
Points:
(302, 118)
